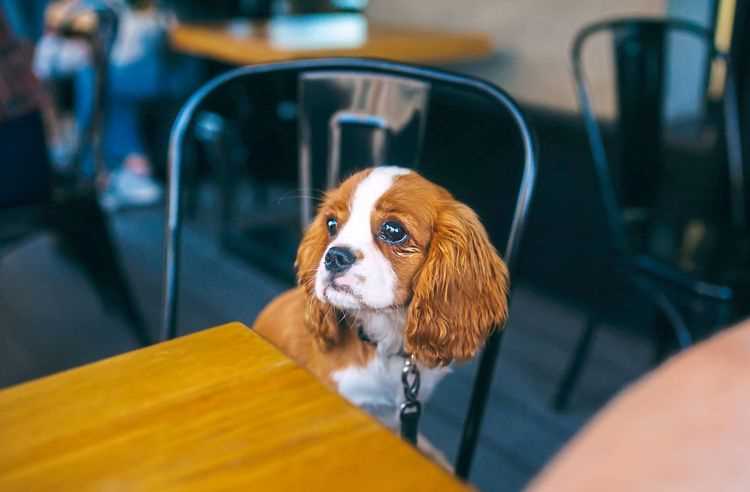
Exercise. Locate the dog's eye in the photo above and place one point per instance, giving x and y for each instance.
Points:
(332, 226)
(392, 232)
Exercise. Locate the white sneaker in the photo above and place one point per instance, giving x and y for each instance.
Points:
(137, 189)
(127, 189)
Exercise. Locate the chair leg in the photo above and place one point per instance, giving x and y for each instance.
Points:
(84, 233)
(665, 339)
(671, 331)
(474, 415)
(575, 366)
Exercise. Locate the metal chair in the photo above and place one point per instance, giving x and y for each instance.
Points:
(73, 215)
(383, 121)
(630, 189)
(100, 38)
(386, 103)
(68, 204)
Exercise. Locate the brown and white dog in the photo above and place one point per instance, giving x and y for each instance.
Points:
(391, 265)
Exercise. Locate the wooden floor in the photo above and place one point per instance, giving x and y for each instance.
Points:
(50, 320)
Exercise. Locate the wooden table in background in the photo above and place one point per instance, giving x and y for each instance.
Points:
(217, 42)
(221, 409)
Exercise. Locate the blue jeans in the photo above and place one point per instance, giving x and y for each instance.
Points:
(150, 78)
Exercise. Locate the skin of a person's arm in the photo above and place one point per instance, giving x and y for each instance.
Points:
(684, 427)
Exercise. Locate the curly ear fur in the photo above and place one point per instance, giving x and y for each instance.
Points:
(461, 292)
(320, 318)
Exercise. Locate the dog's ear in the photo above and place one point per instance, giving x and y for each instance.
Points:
(461, 292)
(320, 318)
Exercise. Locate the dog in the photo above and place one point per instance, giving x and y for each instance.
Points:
(392, 266)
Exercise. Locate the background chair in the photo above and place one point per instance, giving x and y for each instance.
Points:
(96, 24)
(661, 179)
(384, 106)
(39, 202)
(66, 204)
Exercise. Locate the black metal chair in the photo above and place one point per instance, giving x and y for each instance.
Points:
(72, 214)
(633, 184)
(100, 38)
(381, 108)
(67, 203)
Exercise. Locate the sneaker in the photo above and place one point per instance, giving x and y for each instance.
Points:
(128, 189)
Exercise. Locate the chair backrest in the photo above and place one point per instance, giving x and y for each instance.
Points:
(385, 104)
(353, 120)
(100, 40)
(640, 53)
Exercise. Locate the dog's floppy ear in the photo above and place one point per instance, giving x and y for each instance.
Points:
(320, 318)
(461, 292)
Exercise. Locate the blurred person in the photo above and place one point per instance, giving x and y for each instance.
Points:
(683, 427)
(141, 69)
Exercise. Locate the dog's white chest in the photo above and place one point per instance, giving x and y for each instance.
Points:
(377, 386)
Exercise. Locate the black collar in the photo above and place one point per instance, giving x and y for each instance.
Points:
(363, 336)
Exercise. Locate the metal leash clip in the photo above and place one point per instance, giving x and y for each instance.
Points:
(411, 409)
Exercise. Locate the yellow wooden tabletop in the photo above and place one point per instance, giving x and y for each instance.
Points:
(221, 43)
(218, 410)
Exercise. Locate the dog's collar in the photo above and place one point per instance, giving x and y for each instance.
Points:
(363, 336)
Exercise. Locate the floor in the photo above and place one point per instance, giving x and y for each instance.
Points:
(52, 320)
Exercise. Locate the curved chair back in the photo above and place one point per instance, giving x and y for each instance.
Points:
(356, 120)
(386, 103)
(640, 47)
(100, 37)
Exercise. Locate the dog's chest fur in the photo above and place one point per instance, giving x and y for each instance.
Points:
(376, 387)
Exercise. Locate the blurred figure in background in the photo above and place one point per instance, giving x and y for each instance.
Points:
(140, 69)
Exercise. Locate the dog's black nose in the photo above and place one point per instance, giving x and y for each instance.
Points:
(339, 260)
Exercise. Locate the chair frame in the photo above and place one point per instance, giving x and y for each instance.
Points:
(100, 41)
(668, 315)
(173, 227)
(89, 240)
(596, 141)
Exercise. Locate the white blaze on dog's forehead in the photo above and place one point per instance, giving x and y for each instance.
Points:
(366, 195)
(374, 186)
(378, 281)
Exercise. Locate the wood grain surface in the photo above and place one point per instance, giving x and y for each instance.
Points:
(219, 43)
(218, 410)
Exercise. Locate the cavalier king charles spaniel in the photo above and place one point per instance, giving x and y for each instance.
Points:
(392, 265)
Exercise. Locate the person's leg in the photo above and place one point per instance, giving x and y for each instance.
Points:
(121, 136)
(148, 78)
(84, 83)
(137, 80)
(129, 85)
(131, 182)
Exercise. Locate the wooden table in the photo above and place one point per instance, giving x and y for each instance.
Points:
(219, 410)
(218, 42)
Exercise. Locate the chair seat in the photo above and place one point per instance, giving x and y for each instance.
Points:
(708, 261)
